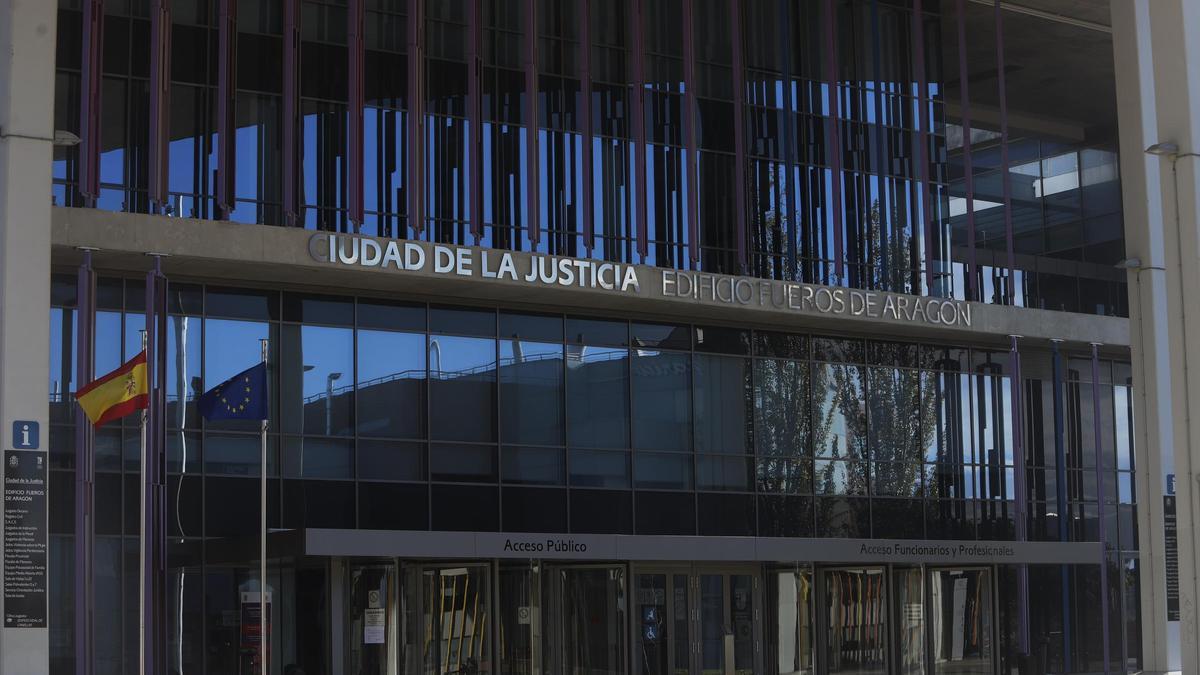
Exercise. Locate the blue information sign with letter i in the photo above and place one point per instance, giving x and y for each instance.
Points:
(25, 435)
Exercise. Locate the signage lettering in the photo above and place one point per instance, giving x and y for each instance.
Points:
(548, 545)
(702, 287)
(24, 539)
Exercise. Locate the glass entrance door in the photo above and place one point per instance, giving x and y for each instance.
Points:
(960, 618)
(451, 633)
(856, 620)
(587, 635)
(696, 622)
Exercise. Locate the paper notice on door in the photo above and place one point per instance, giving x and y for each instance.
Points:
(374, 627)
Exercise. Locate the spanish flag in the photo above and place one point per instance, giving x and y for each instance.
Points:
(117, 394)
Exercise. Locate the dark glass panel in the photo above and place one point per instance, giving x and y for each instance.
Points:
(387, 506)
(231, 506)
(791, 476)
(391, 384)
(532, 466)
(465, 508)
(462, 321)
(458, 463)
(317, 388)
(665, 512)
(780, 516)
(838, 350)
(782, 345)
(531, 392)
(726, 515)
(540, 327)
(599, 468)
(239, 303)
(318, 504)
(725, 473)
(782, 408)
(950, 519)
(897, 519)
(597, 332)
(722, 340)
(108, 511)
(390, 460)
(661, 400)
(723, 405)
(237, 454)
(317, 458)
(462, 388)
(662, 336)
(843, 517)
(534, 509)
(598, 396)
(601, 512)
(325, 309)
(662, 470)
(838, 477)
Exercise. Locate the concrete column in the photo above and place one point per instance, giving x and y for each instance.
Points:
(27, 34)
(1157, 56)
(1140, 186)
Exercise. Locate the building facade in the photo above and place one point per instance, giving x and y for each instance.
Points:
(641, 337)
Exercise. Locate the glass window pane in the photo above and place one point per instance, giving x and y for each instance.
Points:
(462, 395)
(725, 473)
(782, 408)
(462, 463)
(598, 468)
(662, 470)
(531, 392)
(662, 400)
(840, 424)
(390, 460)
(317, 386)
(722, 404)
(229, 348)
(598, 397)
(532, 466)
(391, 384)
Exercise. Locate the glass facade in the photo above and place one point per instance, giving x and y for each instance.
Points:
(392, 415)
(910, 146)
(860, 143)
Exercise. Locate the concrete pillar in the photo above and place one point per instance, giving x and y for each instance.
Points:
(27, 34)
(1157, 56)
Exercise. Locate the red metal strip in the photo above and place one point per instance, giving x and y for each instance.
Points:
(968, 170)
(416, 113)
(926, 217)
(585, 121)
(160, 97)
(834, 136)
(474, 119)
(1010, 290)
(533, 216)
(637, 112)
(691, 173)
(291, 94)
(354, 154)
(89, 109)
(739, 132)
(226, 94)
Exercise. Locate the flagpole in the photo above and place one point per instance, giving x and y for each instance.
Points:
(142, 536)
(84, 471)
(263, 646)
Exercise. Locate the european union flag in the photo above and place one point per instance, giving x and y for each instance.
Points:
(241, 397)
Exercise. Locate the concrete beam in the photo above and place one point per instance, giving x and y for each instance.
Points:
(279, 257)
